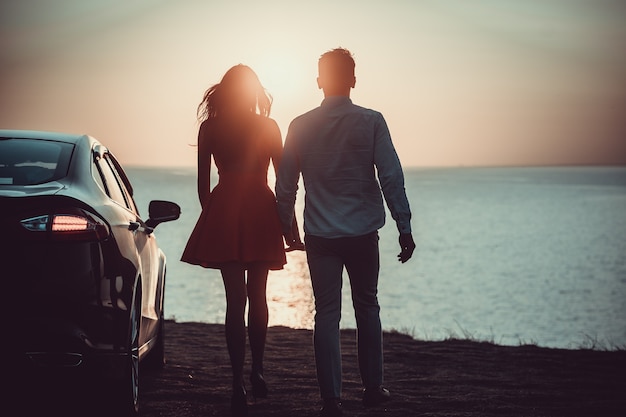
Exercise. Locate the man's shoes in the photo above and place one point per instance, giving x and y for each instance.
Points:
(375, 396)
(331, 408)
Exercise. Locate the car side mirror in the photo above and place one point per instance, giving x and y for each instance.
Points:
(160, 211)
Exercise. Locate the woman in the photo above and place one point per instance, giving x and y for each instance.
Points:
(238, 231)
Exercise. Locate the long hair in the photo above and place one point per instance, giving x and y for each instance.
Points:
(240, 88)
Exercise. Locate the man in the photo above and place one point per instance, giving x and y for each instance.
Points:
(339, 148)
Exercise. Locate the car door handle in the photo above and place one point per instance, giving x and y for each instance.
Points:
(133, 226)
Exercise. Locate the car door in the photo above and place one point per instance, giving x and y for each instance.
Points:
(142, 237)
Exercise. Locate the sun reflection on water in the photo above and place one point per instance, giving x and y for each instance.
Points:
(289, 294)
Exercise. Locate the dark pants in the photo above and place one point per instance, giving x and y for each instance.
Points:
(326, 259)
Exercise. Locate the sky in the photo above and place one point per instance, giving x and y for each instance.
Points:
(460, 82)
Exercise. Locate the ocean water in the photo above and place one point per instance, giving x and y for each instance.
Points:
(509, 255)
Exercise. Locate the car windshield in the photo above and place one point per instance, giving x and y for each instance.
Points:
(33, 161)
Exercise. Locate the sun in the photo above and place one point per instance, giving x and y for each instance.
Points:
(285, 75)
(280, 77)
(290, 79)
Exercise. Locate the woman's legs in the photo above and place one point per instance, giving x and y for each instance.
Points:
(238, 292)
(235, 286)
(257, 315)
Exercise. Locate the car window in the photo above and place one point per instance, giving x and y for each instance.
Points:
(122, 180)
(33, 161)
(97, 175)
(111, 185)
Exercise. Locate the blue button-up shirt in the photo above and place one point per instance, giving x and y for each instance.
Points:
(340, 148)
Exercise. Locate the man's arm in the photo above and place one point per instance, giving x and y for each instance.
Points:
(391, 179)
(286, 189)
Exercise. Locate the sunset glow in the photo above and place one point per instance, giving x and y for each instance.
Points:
(460, 83)
(290, 295)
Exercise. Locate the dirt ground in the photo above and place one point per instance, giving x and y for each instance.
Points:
(438, 378)
(448, 378)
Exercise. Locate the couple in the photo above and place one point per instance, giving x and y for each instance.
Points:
(338, 148)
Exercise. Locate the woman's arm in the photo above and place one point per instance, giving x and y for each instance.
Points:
(204, 165)
(275, 142)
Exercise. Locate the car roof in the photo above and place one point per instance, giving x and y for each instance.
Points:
(79, 172)
(45, 135)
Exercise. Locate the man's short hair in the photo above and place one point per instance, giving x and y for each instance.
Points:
(337, 64)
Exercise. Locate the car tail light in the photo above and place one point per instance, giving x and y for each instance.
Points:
(68, 226)
(67, 223)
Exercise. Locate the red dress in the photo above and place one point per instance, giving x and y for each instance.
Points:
(239, 220)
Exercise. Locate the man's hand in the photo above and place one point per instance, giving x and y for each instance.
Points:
(292, 238)
(294, 246)
(407, 246)
(293, 242)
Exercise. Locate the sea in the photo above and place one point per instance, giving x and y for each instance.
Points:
(508, 255)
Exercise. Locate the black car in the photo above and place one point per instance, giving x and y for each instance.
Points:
(81, 271)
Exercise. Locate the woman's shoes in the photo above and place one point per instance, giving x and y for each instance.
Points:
(259, 387)
(239, 402)
(375, 396)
